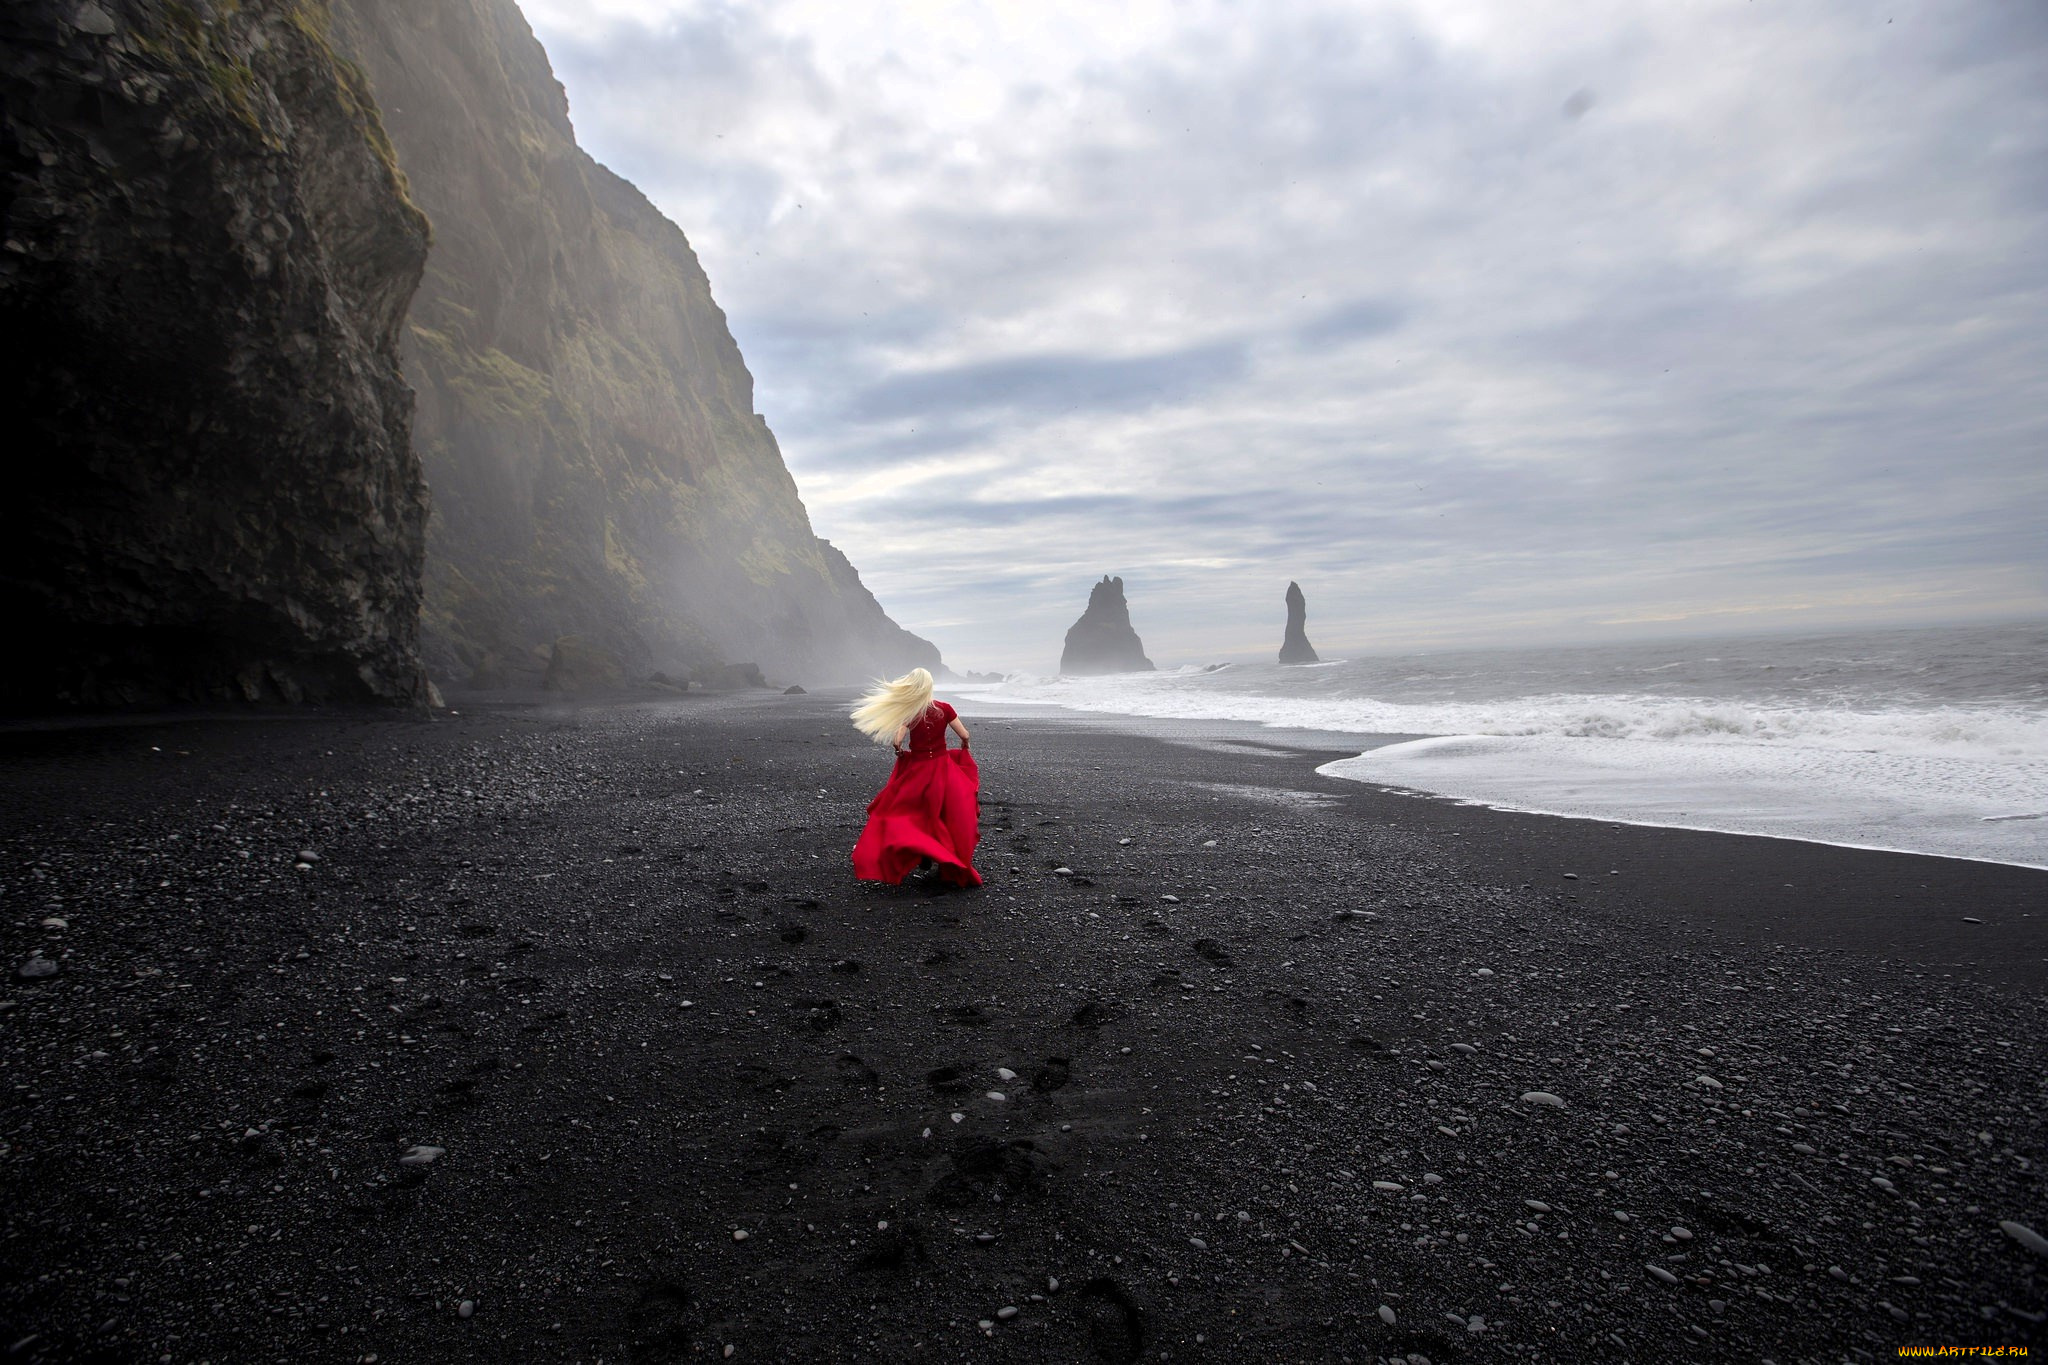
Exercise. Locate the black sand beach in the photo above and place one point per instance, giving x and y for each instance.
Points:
(576, 1041)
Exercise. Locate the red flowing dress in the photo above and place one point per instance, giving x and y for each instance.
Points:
(926, 810)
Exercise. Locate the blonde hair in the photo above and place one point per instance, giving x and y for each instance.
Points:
(887, 707)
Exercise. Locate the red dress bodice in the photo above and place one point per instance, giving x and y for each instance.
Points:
(928, 731)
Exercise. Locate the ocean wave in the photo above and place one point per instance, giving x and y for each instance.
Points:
(1986, 732)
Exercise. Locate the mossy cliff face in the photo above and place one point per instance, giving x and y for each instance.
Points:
(206, 256)
(585, 417)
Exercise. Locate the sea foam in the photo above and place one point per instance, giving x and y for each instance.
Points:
(1811, 749)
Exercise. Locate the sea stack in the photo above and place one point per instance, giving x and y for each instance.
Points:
(1295, 648)
(1102, 641)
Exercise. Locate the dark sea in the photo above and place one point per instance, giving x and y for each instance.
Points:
(1925, 740)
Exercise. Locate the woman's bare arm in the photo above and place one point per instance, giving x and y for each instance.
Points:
(902, 736)
(957, 728)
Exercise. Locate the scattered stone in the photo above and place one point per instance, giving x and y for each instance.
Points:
(1004, 1073)
(1386, 1315)
(1484, 971)
(1006, 1312)
(37, 968)
(1465, 1048)
(1544, 1098)
(1661, 1275)
(2026, 1237)
(739, 1234)
(421, 1155)
(1387, 1185)
(1198, 1244)
(466, 1309)
(1708, 1081)
(1537, 1204)
(90, 18)
(1682, 1234)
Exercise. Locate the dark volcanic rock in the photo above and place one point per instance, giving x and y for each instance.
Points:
(727, 677)
(585, 416)
(209, 254)
(1295, 648)
(1102, 641)
(579, 665)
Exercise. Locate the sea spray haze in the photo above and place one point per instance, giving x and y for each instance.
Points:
(1928, 741)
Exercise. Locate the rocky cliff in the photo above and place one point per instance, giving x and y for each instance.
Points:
(1294, 646)
(1103, 641)
(206, 254)
(586, 421)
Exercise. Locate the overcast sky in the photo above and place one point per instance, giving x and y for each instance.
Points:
(1487, 322)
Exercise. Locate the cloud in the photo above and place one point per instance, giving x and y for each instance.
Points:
(1048, 384)
(1486, 322)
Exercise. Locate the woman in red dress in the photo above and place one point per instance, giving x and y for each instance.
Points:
(927, 810)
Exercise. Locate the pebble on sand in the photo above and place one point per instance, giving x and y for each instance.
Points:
(1542, 1097)
(739, 1234)
(37, 968)
(466, 1309)
(2026, 1237)
(421, 1155)
(1661, 1275)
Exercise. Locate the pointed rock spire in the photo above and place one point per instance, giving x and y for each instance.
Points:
(1295, 648)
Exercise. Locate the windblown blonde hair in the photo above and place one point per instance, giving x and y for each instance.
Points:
(887, 707)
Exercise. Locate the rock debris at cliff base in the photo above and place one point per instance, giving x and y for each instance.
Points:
(540, 1034)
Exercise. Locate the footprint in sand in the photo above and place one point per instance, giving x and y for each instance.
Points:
(1114, 1323)
(660, 1321)
(853, 1071)
(947, 1080)
(1056, 1072)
